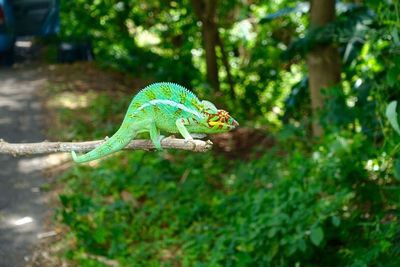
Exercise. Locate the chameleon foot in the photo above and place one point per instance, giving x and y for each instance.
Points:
(160, 138)
(74, 156)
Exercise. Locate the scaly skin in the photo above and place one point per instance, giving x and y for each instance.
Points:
(165, 107)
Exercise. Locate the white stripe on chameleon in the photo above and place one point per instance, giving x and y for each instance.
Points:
(170, 103)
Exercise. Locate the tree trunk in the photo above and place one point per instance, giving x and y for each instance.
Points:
(323, 61)
(210, 33)
(205, 11)
(225, 61)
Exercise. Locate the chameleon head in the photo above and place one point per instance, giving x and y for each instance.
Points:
(221, 122)
(218, 120)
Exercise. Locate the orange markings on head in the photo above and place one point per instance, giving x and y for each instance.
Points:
(223, 115)
(222, 118)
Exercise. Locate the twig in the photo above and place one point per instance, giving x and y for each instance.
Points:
(102, 259)
(53, 147)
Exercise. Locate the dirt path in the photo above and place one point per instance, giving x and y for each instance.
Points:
(22, 203)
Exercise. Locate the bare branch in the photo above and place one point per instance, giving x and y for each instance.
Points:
(52, 147)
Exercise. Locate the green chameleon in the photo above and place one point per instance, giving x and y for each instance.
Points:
(166, 107)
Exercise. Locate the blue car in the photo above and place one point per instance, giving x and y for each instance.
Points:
(20, 18)
(7, 33)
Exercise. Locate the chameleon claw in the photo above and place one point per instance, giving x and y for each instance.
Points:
(74, 156)
(158, 145)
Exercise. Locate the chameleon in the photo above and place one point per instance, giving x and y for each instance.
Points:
(163, 107)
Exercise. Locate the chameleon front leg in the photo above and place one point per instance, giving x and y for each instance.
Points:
(180, 124)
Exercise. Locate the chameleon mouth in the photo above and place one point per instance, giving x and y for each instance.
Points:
(221, 125)
(235, 124)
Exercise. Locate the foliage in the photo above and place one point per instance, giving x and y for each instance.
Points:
(304, 202)
(145, 209)
(140, 39)
(111, 27)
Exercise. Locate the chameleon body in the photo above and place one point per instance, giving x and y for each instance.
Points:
(165, 107)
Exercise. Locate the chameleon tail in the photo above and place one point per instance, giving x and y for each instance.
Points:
(116, 142)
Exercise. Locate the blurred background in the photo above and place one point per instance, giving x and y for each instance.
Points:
(312, 176)
(20, 20)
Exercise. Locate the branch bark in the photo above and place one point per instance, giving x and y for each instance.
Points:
(53, 147)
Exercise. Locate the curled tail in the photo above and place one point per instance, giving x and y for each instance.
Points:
(116, 142)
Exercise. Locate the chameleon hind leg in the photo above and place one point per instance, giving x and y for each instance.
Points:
(118, 141)
(155, 135)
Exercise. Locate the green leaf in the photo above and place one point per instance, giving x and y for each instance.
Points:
(100, 235)
(392, 77)
(317, 235)
(396, 167)
(336, 221)
(391, 114)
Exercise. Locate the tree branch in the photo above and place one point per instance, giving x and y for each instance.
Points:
(52, 147)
